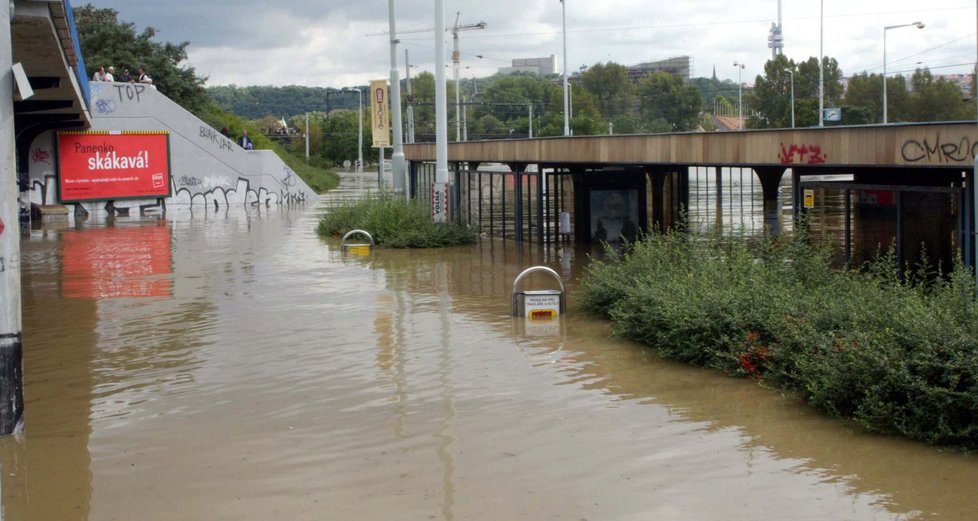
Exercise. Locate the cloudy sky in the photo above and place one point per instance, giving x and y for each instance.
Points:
(337, 43)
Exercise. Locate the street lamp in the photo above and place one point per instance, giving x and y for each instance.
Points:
(918, 25)
(359, 134)
(563, 9)
(791, 73)
(740, 96)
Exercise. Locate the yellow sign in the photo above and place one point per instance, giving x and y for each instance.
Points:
(809, 198)
(379, 114)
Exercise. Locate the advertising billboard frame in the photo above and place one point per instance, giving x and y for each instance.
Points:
(166, 187)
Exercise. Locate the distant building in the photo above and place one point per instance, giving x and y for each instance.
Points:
(681, 66)
(963, 81)
(535, 65)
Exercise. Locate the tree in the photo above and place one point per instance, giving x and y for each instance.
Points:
(936, 100)
(806, 86)
(866, 91)
(106, 41)
(340, 137)
(613, 92)
(663, 96)
(771, 95)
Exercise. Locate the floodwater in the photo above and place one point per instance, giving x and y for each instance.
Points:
(233, 366)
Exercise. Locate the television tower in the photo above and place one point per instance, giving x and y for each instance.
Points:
(775, 40)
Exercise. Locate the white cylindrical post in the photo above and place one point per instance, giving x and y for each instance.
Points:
(11, 350)
(397, 155)
(410, 98)
(563, 9)
(441, 97)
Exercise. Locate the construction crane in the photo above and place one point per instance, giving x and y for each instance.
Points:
(456, 59)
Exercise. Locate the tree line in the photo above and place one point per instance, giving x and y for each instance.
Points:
(603, 98)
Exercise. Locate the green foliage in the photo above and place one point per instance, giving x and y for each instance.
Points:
(395, 223)
(771, 95)
(291, 100)
(668, 98)
(897, 357)
(609, 84)
(318, 178)
(106, 41)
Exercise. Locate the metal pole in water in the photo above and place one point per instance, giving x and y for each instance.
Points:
(397, 154)
(11, 351)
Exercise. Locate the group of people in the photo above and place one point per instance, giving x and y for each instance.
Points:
(109, 75)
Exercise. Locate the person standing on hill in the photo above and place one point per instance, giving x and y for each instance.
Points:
(143, 77)
(110, 75)
(99, 74)
(245, 141)
(125, 77)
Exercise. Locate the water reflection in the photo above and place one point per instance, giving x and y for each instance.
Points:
(278, 378)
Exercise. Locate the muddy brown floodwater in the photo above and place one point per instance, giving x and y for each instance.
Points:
(233, 366)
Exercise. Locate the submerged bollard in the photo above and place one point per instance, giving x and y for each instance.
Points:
(359, 249)
(540, 304)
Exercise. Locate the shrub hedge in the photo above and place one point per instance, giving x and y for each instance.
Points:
(393, 222)
(897, 353)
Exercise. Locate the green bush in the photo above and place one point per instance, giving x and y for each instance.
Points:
(395, 223)
(896, 354)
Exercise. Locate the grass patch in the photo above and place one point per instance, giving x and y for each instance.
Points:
(394, 223)
(897, 357)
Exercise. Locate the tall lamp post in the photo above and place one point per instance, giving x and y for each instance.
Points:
(740, 96)
(918, 25)
(791, 74)
(359, 134)
(563, 9)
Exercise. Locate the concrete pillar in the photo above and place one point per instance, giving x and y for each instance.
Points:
(770, 181)
(11, 351)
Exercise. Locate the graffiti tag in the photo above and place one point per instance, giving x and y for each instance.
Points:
(289, 179)
(189, 181)
(808, 154)
(129, 91)
(222, 142)
(39, 155)
(104, 106)
(940, 151)
(215, 182)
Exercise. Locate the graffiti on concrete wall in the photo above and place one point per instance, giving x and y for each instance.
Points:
(40, 155)
(938, 150)
(802, 154)
(222, 142)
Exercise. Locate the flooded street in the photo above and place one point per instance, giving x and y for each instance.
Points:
(234, 366)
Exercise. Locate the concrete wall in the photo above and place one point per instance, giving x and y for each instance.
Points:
(207, 169)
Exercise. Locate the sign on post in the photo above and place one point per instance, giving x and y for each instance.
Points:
(379, 114)
(439, 202)
(809, 198)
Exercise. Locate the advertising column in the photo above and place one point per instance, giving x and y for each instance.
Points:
(380, 123)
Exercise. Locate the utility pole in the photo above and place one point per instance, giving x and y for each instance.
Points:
(397, 155)
(410, 98)
(11, 350)
(456, 59)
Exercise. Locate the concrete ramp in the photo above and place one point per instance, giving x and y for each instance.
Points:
(207, 169)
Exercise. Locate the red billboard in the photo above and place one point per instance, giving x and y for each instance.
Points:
(96, 166)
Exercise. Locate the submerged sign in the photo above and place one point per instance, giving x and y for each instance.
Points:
(96, 166)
